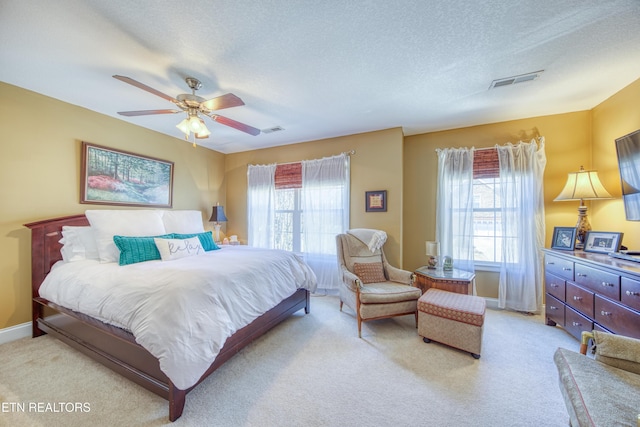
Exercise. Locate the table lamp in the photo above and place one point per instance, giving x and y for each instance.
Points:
(582, 185)
(433, 254)
(217, 216)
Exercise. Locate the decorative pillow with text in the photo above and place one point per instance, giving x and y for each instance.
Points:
(171, 249)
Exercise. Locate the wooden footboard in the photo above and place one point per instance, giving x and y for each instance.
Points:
(115, 347)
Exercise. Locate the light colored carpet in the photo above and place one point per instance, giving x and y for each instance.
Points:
(312, 370)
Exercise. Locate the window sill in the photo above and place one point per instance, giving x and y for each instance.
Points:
(493, 267)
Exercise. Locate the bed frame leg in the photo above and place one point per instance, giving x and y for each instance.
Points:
(36, 313)
(307, 308)
(176, 402)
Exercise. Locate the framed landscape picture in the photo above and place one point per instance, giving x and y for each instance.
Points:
(114, 177)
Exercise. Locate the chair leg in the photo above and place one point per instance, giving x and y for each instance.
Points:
(416, 319)
(341, 305)
(359, 327)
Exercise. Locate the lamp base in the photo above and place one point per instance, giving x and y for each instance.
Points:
(216, 236)
(582, 226)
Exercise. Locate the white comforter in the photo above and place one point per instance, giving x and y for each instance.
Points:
(181, 311)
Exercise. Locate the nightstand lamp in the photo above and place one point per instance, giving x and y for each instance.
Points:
(433, 254)
(582, 185)
(217, 216)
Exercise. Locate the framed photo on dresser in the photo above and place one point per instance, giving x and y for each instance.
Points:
(602, 241)
(564, 238)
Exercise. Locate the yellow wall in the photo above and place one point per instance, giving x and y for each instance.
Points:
(376, 165)
(40, 147)
(613, 118)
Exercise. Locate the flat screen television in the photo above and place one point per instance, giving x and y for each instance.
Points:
(628, 149)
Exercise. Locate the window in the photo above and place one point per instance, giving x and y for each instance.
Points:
(487, 216)
(301, 207)
(288, 220)
(487, 220)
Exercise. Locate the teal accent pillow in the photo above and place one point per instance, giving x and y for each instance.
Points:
(206, 239)
(138, 249)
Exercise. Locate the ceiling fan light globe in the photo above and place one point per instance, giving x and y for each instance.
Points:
(196, 124)
(203, 134)
(184, 127)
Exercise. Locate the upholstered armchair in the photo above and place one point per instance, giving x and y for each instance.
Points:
(372, 287)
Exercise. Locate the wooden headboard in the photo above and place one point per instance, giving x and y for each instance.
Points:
(45, 249)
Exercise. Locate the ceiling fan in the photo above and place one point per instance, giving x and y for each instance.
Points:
(193, 105)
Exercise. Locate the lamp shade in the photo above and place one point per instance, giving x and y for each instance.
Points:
(583, 185)
(433, 248)
(218, 214)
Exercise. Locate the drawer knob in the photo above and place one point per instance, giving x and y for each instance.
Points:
(553, 307)
(631, 293)
(606, 313)
(566, 269)
(607, 284)
(553, 285)
(581, 275)
(577, 298)
(550, 263)
(576, 324)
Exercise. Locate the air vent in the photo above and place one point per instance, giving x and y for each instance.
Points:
(508, 81)
(273, 129)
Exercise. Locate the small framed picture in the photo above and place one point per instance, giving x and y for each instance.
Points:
(564, 238)
(602, 241)
(376, 201)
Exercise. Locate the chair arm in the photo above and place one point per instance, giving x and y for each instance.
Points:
(399, 275)
(350, 280)
(617, 351)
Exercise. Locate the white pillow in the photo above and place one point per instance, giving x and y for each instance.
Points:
(108, 223)
(78, 243)
(171, 249)
(183, 222)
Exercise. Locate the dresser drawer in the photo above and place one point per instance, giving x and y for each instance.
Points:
(599, 281)
(630, 292)
(616, 317)
(558, 266)
(555, 286)
(580, 298)
(575, 323)
(554, 310)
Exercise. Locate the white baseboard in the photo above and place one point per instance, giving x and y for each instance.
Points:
(492, 303)
(16, 332)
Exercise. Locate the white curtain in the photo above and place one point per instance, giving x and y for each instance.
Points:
(454, 206)
(261, 205)
(521, 271)
(325, 209)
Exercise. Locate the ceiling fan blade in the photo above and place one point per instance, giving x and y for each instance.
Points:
(145, 87)
(235, 124)
(223, 101)
(147, 112)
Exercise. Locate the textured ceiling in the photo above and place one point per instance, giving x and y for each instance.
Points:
(322, 69)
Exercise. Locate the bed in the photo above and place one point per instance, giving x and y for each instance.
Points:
(116, 347)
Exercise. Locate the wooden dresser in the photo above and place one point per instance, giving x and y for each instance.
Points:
(586, 291)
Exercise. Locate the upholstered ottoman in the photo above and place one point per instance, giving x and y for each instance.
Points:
(456, 320)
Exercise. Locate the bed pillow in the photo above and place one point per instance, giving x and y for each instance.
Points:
(171, 249)
(369, 272)
(109, 223)
(78, 243)
(182, 221)
(206, 239)
(138, 249)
